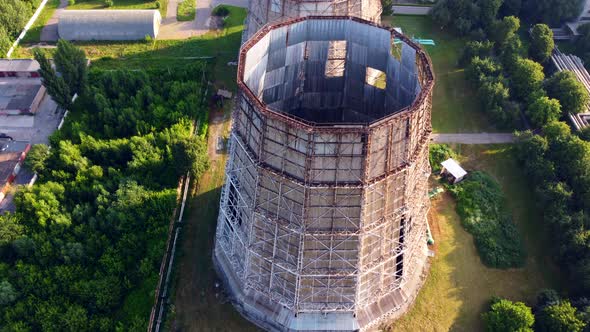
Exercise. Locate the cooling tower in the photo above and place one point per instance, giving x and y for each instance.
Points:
(322, 225)
(261, 12)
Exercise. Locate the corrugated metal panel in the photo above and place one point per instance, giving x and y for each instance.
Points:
(108, 24)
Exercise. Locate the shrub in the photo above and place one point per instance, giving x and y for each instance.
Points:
(438, 154)
(482, 208)
(220, 11)
(108, 3)
(506, 315)
(158, 5)
(71, 2)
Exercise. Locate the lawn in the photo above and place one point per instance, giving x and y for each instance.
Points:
(117, 4)
(34, 33)
(186, 10)
(455, 108)
(459, 286)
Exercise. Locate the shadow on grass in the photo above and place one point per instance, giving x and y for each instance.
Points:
(199, 304)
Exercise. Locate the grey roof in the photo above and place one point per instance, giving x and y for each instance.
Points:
(19, 65)
(108, 24)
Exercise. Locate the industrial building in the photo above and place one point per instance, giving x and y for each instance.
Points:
(261, 12)
(19, 68)
(20, 95)
(322, 225)
(108, 24)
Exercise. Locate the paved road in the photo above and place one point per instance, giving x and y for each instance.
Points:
(478, 138)
(49, 31)
(411, 10)
(173, 29)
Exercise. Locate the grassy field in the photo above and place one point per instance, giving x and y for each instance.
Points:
(459, 286)
(455, 108)
(34, 33)
(117, 4)
(186, 10)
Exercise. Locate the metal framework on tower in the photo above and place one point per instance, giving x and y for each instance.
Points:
(322, 223)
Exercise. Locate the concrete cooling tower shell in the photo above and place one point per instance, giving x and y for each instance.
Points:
(261, 12)
(322, 225)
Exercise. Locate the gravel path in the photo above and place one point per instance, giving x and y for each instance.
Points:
(477, 138)
(411, 10)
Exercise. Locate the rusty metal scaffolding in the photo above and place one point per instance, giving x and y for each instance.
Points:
(322, 223)
(261, 12)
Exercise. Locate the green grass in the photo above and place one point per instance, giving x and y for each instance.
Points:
(455, 108)
(186, 10)
(117, 4)
(459, 286)
(34, 33)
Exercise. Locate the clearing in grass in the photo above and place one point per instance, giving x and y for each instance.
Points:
(459, 286)
(455, 107)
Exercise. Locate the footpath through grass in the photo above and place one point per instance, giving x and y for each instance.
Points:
(455, 108)
(459, 286)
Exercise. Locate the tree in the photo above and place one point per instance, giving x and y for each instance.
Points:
(55, 85)
(504, 29)
(510, 8)
(7, 293)
(5, 42)
(565, 87)
(36, 158)
(386, 5)
(480, 69)
(489, 10)
(190, 155)
(559, 317)
(527, 77)
(70, 62)
(544, 110)
(481, 49)
(505, 315)
(552, 12)
(542, 43)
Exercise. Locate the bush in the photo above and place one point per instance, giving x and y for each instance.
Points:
(438, 154)
(483, 212)
(158, 5)
(220, 11)
(108, 3)
(506, 315)
(71, 2)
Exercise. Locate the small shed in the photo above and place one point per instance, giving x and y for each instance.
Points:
(108, 24)
(452, 168)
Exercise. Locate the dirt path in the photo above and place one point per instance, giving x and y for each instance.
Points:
(49, 31)
(198, 304)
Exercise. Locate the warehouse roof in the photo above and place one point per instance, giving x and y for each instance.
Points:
(108, 24)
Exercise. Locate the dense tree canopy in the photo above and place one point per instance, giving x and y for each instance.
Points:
(93, 228)
(559, 317)
(14, 14)
(552, 12)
